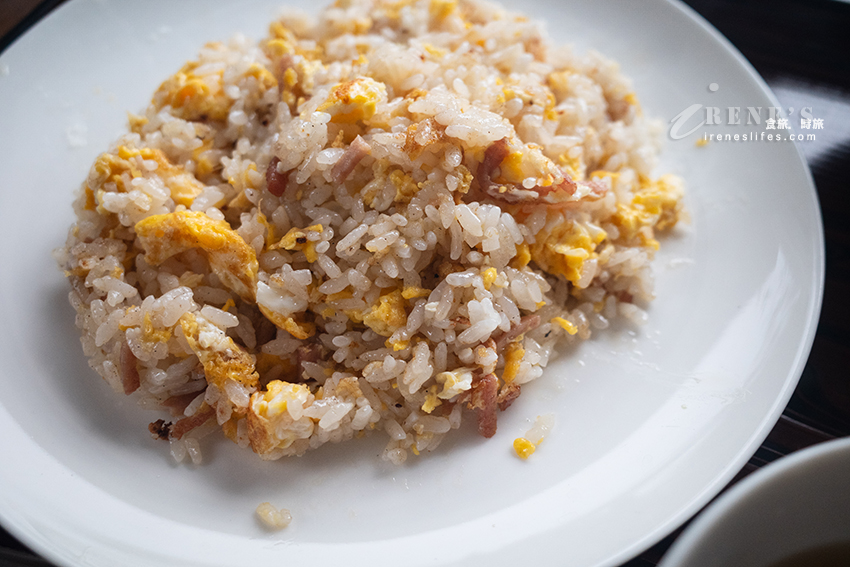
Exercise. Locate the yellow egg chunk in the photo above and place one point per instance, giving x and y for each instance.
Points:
(296, 239)
(278, 393)
(230, 257)
(202, 97)
(523, 447)
(566, 325)
(454, 382)
(662, 199)
(513, 357)
(432, 400)
(355, 100)
(523, 256)
(655, 205)
(405, 187)
(388, 314)
(152, 334)
(441, 9)
(299, 330)
(524, 162)
(274, 417)
(222, 358)
(184, 187)
(563, 249)
(489, 276)
(414, 292)
(194, 97)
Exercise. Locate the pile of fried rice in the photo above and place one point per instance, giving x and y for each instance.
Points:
(381, 218)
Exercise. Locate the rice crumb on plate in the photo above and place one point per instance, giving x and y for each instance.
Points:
(272, 517)
(382, 217)
(525, 446)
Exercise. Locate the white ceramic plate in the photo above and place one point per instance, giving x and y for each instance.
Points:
(650, 424)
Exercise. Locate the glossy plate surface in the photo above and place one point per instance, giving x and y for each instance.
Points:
(650, 422)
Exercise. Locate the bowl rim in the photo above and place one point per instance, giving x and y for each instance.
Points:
(763, 481)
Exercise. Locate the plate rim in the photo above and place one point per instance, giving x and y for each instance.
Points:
(793, 374)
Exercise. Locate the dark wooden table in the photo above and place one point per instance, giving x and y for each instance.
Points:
(802, 49)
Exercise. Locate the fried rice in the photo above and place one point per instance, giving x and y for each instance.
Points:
(383, 217)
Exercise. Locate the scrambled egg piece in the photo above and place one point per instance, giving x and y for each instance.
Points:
(222, 358)
(523, 256)
(559, 82)
(354, 101)
(397, 345)
(275, 420)
(525, 162)
(281, 309)
(573, 166)
(513, 357)
(108, 167)
(563, 248)
(441, 9)
(655, 205)
(566, 325)
(348, 389)
(278, 395)
(150, 333)
(454, 382)
(411, 292)
(201, 97)
(231, 258)
(194, 97)
(432, 399)
(296, 239)
(285, 42)
(405, 186)
(388, 315)
(489, 276)
(524, 448)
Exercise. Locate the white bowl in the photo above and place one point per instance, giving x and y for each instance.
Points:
(796, 504)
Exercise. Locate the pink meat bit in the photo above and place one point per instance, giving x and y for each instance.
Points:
(178, 404)
(183, 426)
(556, 195)
(494, 155)
(349, 160)
(509, 393)
(526, 324)
(276, 181)
(129, 370)
(483, 400)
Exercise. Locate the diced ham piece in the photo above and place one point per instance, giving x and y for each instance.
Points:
(276, 180)
(129, 370)
(178, 404)
(349, 160)
(483, 400)
(183, 426)
(527, 323)
(509, 393)
(494, 155)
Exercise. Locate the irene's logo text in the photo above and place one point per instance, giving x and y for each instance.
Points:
(736, 115)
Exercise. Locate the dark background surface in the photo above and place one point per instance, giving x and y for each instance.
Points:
(802, 49)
